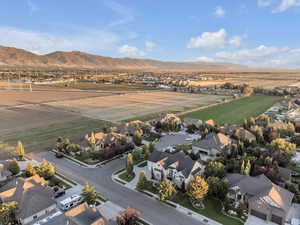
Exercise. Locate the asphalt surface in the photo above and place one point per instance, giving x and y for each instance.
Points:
(152, 210)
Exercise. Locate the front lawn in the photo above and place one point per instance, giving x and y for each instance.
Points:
(236, 111)
(124, 176)
(212, 209)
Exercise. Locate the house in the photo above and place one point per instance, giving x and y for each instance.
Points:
(178, 167)
(191, 121)
(4, 171)
(212, 144)
(131, 127)
(111, 139)
(210, 123)
(35, 199)
(244, 135)
(277, 125)
(170, 119)
(228, 129)
(265, 199)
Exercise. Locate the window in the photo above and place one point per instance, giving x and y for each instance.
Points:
(35, 217)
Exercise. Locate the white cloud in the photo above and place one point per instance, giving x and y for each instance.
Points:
(131, 51)
(126, 15)
(32, 6)
(214, 40)
(205, 59)
(150, 46)
(263, 56)
(219, 11)
(264, 3)
(88, 40)
(285, 5)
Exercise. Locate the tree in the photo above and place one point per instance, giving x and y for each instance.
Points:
(30, 170)
(137, 138)
(136, 154)
(129, 165)
(165, 190)
(217, 187)
(46, 170)
(197, 189)
(8, 212)
(283, 146)
(14, 167)
(258, 132)
(215, 169)
(20, 150)
(142, 183)
(246, 167)
(128, 217)
(151, 147)
(89, 194)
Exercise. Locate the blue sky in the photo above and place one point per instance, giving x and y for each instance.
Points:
(258, 33)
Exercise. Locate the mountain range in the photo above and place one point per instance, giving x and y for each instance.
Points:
(10, 56)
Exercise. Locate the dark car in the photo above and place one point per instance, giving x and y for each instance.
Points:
(59, 155)
(295, 174)
(59, 193)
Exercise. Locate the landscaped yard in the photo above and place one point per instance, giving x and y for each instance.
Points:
(236, 111)
(212, 209)
(125, 177)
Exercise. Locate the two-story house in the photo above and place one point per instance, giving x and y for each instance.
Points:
(265, 199)
(178, 167)
(4, 172)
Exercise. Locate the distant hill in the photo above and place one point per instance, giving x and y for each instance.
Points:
(18, 57)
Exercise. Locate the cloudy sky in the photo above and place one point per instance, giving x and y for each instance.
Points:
(257, 33)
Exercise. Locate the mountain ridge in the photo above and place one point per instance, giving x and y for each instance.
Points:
(10, 56)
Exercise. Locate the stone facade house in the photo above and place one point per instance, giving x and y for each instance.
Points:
(212, 144)
(244, 135)
(35, 199)
(178, 168)
(4, 172)
(265, 199)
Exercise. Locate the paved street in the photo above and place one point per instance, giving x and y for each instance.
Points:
(152, 210)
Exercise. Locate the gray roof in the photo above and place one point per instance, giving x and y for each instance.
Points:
(4, 172)
(261, 186)
(184, 165)
(31, 195)
(213, 141)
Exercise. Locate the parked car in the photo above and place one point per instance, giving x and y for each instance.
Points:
(59, 155)
(58, 192)
(295, 174)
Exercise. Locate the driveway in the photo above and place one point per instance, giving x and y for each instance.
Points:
(152, 210)
(253, 220)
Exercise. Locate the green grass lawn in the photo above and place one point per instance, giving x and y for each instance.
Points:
(212, 209)
(43, 138)
(124, 176)
(236, 111)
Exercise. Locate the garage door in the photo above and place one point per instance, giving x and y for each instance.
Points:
(276, 219)
(259, 214)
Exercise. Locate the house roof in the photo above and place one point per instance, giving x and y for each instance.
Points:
(228, 129)
(244, 134)
(4, 172)
(213, 141)
(85, 215)
(179, 160)
(210, 123)
(284, 173)
(260, 187)
(31, 194)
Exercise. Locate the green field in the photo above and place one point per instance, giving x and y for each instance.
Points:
(236, 111)
(43, 138)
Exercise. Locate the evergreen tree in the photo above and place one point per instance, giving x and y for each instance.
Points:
(137, 138)
(151, 147)
(197, 189)
(165, 190)
(30, 171)
(20, 150)
(14, 167)
(89, 194)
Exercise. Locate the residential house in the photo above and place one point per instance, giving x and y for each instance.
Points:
(265, 199)
(212, 144)
(35, 199)
(111, 139)
(228, 129)
(178, 167)
(4, 171)
(191, 121)
(244, 135)
(170, 119)
(131, 127)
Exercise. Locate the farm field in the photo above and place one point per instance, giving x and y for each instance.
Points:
(236, 111)
(133, 105)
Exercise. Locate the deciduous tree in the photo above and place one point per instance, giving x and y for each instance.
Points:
(197, 189)
(165, 190)
(89, 194)
(14, 167)
(20, 150)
